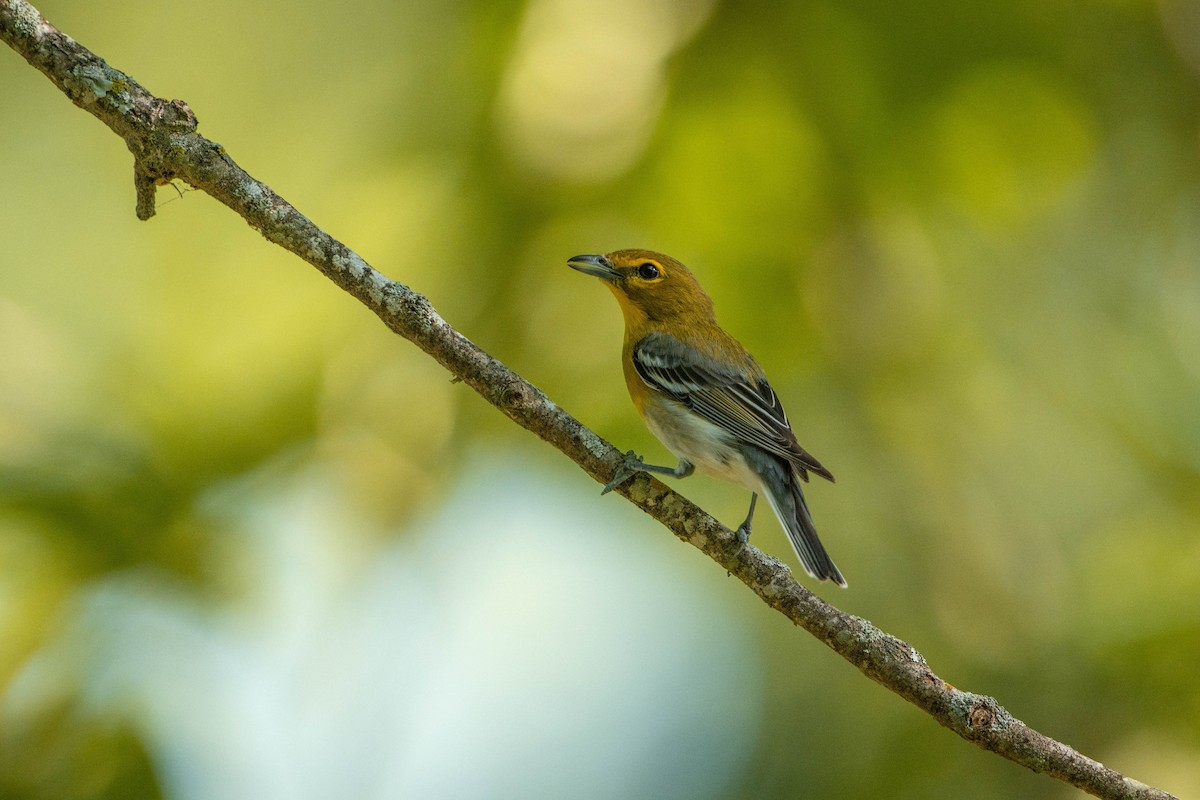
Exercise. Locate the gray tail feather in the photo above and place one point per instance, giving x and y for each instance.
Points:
(781, 485)
(803, 535)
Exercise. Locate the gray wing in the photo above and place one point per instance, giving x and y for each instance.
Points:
(747, 408)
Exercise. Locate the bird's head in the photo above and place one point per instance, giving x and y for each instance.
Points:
(649, 286)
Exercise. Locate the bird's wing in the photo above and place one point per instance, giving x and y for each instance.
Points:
(745, 406)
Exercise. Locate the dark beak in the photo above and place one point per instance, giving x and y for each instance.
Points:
(598, 266)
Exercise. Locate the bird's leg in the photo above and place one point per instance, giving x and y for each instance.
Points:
(633, 464)
(743, 530)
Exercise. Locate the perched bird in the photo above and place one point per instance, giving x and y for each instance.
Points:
(705, 398)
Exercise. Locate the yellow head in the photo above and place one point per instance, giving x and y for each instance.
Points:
(650, 287)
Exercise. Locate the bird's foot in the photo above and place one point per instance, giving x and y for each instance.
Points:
(743, 536)
(631, 466)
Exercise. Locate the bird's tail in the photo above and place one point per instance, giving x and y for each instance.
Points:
(787, 501)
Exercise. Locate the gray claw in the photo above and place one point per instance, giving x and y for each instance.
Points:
(629, 468)
(743, 536)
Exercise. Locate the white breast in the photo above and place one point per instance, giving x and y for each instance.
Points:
(695, 439)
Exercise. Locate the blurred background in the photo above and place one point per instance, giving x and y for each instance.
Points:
(252, 545)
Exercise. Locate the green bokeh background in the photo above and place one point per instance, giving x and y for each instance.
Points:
(963, 240)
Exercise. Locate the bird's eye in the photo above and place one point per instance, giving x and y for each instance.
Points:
(647, 271)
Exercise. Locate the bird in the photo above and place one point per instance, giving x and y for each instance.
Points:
(703, 395)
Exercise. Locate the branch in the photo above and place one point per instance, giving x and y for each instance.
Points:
(162, 136)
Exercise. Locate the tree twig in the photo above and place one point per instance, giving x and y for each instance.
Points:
(162, 136)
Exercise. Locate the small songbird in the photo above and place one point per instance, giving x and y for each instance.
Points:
(705, 398)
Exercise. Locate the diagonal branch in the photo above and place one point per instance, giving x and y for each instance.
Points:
(162, 136)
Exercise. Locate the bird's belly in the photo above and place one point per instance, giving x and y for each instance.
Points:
(710, 448)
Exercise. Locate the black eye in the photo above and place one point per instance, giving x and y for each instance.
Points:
(647, 271)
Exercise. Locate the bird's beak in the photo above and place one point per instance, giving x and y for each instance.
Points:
(598, 266)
